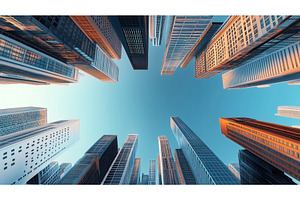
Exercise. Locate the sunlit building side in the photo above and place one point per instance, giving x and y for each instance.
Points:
(135, 175)
(289, 111)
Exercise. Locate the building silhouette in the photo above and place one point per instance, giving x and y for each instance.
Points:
(93, 166)
(167, 167)
(135, 175)
(275, 144)
(182, 32)
(120, 171)
(289, 111)
(156, 27)
(207, 168)
(235, 169)
(133, 33)
(27, 152)
(185, 173)
(254, 170)
(144, 179)
(17, 119)
(152, 172)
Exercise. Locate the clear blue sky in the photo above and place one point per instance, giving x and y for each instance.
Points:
(143, 101)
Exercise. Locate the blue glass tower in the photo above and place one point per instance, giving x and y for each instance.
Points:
(205, 165)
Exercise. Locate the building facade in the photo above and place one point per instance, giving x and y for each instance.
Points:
(159, 171)
(144, 179)
(17, 119)
(64, 169)
(135, 175)
(168, 170)
(152, 172)
(120, 171)
(133, 33)
(25, 153)
(183, 32)
(93, 166)
(289, 111)
(185, 173)
(205, 165)
(156, 27)
(13, 79)
(275, 144)
(235, 169)
(254, 170)
(48, 176)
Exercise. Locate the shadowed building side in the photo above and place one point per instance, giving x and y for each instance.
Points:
(185, 173)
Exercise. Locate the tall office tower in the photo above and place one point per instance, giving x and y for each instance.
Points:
(48, 176)
(17, 119)
(152, 172)
(145, 179)
(275, 144)
(279, 66)
(25, 153)
(235, 169)
(64, 169)
(254, 170)
(156, 27)
(185, 173)
(159, 171)
(182, 36)
(13, 79)
(61, 38)
(133, 33)
(100, 30)
(167, 167)
(93, 166)
(246, 36)
(120, 171)
(135, 175)
(207, 168)
(21, 60)
(289, 111)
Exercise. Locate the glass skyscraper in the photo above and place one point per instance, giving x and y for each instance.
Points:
(185, 173)
(235, 169)
(48, 176)
(167, 167)
(17, 119)
(120, 171)
(63, 169)
(156, 27)
(205, 165)
(25, 153)
(135, 175)
(289, 111)
(144, 179)
(159, 171)
(152, 172)
(14, 79)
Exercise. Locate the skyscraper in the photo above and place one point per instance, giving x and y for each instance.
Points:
(156, 27)
(254, 170)
(99, 29)
(152, 172)
(167, 167)
(135, 175)
(63, 169)
(133, 33)
(19, 59)
(13, 79)
(47, 176)
(17, 119)
(25, 153)
(120, 171)
(275, 144)
(159, 171)
(145, 179)
(235, 169)
(183, 32)
(246, 36)
(289, 111)
(93, 166)
(185, 173)
(205, 165)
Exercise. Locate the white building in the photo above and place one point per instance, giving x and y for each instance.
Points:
(288, 111)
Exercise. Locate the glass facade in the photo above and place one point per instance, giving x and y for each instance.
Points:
(254, 170)
(14, 79)
(205, 165)
(168, 171)
(17, 119)
(145, 179)
(48, 176)
(185, 173)
(183, 34)
(156, 27)
(275, 144)
(152, 172)
(120, 171)
(25, 153)
(63, 169)
(289, 111)
(159, 171)
(135, 175)
(235, 169)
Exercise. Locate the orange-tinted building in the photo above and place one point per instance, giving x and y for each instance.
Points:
(276, 144)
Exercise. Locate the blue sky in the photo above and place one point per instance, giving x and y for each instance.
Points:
(142, 102)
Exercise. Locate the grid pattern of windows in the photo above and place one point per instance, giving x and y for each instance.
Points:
(184, 33)
(27, 152)
(289, 111)
(121, 169)
(272, 68)
(235, 169)
(152, 172)
(205, 165)
(185, 173)
(48, 176)
(157, 27)
(135, 40)
(135, 175)
(200, 67)
(168, 170)
(18, 119)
